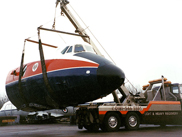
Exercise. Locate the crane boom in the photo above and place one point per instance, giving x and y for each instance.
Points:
(76, 24)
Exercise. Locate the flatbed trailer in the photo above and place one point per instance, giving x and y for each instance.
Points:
(159, 105)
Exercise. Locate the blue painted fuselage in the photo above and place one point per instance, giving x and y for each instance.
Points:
(80, 83)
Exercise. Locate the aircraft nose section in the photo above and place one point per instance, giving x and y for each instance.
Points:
(110, 77)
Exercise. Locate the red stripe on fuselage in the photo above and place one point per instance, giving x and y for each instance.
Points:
(51, 65)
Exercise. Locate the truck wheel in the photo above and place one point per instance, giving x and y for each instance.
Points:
(132, 121)
(112, 122)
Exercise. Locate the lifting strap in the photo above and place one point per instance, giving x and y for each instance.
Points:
(44, 72)
(19, 80)
(49, 100)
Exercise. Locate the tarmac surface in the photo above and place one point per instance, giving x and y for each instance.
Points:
(67, 130)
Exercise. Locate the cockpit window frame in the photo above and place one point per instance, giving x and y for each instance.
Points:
(70, 49)
(64, 50)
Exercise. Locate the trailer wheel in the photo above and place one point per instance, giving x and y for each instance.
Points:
(112, 122)
(132, 121)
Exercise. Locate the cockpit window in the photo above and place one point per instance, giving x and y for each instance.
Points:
(79, 48)
(64, 50)
(89, 48)
(70, 49)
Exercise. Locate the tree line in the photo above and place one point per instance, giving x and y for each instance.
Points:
(3, 100)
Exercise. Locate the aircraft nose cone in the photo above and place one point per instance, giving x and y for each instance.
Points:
(110, 77)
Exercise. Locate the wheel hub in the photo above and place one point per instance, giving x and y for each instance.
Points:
(133, 121)
(112, 122)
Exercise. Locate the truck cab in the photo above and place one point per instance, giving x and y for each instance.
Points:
(170, 92)
(164, 102)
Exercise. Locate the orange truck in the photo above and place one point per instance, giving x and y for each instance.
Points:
(159, 104)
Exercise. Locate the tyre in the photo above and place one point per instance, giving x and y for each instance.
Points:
(132, 121)
(112, 122)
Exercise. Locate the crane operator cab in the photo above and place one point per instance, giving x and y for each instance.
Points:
(77, 48)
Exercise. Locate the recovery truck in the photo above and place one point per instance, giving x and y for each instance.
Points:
(158, 105)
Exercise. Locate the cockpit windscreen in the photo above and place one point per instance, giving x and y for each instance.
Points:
(79, 48)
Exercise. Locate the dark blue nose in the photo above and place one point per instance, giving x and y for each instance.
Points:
(110, 77)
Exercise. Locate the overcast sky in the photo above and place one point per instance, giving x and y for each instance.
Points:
(144, 37)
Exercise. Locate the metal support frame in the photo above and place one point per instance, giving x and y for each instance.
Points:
(116, 99)
(156, 94)
(163, 87)
(58, 31)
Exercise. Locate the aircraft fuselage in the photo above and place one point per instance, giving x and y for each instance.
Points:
(83, 78)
